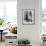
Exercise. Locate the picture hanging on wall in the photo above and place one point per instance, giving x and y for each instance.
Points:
(28, 16)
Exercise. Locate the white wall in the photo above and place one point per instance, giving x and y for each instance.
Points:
(31, 32)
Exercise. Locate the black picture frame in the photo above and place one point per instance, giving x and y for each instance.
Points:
(28, 16)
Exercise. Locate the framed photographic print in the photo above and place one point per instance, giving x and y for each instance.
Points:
(28, 16)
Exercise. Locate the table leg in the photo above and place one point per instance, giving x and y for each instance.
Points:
(1, 36)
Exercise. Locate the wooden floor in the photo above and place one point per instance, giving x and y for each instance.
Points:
(2, 43)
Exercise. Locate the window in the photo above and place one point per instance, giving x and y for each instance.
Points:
(44, 16)
(8, 11)
(43, 12)
(1, 9)
(11, 11)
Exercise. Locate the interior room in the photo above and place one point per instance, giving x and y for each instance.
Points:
(22, 22)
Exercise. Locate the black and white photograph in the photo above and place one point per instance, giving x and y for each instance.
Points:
(28, 16)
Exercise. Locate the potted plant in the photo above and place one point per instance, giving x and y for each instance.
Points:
(1, 22)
